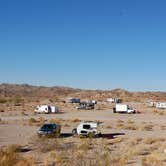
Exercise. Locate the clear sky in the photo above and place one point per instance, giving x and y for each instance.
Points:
(91, 44)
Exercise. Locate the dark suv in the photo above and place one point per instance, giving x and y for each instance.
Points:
(49, 129)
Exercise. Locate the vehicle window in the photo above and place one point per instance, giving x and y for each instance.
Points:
(44, 127)
(86, 127)
(50, 126)
(49, 108)
(54, 126)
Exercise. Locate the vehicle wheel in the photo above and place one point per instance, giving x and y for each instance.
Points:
(114, 110)
(99, 135)
(74, 132)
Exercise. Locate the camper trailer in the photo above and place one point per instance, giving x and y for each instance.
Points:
(161, 105)
(114, 100)
(87, 128)
(46, 109)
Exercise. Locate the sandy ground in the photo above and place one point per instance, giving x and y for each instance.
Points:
(13, 130)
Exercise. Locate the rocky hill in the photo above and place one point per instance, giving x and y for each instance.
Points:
(29, 91)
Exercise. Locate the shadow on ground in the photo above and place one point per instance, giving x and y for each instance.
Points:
(66, 135)
(111, 135)
(107, 136)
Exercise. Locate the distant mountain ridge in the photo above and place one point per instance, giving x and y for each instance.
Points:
(25, 90)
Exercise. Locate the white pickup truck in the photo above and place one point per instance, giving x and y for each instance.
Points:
(123, 108)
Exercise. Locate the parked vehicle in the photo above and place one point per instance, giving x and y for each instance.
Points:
(87, 128)
(123, 108)
(49, 129)
(161, 105)
(46, 109)
(114, 100)
(54, 109)
(86, 106)
(73, 100)
(93, 101)
(151, 104)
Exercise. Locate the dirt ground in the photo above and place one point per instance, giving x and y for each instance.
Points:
(15, 127)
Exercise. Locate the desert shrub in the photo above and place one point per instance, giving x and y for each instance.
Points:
(131, 127)
(58, 121)
(120, 121)
(152, 160)
(18, 101)
(76, 120)
(2, 100)
(130, 122)
(45, 144)
(153, 140)
(85, 145)
(32, 121)
(117, 140)
(66, 125)
(109, 127)
(10, 156)
(36, 122)
(163, 127)
(24, 114)
(147, 127)
(134, 141)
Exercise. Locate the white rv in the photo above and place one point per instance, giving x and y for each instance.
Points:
(151, 104)
(161, 105)
(114, 100)
(123, 108)
(46, 109)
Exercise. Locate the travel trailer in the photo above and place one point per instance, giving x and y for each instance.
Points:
(114, 100)
(46, 109)
(161, 105)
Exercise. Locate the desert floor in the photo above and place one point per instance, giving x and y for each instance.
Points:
(130, 139)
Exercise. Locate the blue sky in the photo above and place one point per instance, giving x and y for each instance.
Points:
(90, 44)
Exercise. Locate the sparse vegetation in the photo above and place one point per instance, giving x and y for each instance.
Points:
(147, 127)
(76, 120)
(10, 156)
(2, 100)
(137, 144)
(152, 160)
